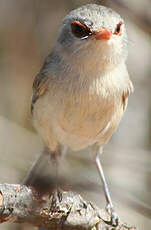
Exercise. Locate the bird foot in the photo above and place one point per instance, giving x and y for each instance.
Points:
(115, 220)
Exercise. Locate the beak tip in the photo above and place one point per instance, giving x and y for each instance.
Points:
(103, 34)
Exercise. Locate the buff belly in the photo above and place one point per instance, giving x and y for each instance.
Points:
(76, 124)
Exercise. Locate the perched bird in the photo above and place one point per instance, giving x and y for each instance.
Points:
(81, 91)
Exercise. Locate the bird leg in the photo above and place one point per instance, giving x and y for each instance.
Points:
(109, 207)
(37, 166)
(57, 160)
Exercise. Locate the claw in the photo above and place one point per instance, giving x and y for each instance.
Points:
(115, 220)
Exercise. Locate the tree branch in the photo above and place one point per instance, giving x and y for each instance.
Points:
(59, 210)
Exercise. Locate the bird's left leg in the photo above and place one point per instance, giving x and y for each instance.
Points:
(110, 208)
(57, 160)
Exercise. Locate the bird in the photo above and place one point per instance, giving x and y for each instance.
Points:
(81, 91)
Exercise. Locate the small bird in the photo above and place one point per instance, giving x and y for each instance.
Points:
(82, 89)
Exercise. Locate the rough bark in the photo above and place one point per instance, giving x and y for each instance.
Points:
(59, 210)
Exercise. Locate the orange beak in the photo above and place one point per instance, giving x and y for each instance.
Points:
(103, 34)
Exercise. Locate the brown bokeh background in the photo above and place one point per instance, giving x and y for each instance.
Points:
(28, 30)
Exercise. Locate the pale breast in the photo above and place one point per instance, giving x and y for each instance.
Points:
(81, 118)
(77, 122)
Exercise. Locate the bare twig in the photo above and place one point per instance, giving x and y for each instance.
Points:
(60, 210)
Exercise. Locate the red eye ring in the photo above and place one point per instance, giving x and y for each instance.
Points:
(80, 30)
(78, 24)
(118, 30)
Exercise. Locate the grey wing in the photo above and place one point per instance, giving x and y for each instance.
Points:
(40, 86)
(126, 94)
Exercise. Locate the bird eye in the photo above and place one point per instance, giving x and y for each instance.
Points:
(118, 29)
(80, 30)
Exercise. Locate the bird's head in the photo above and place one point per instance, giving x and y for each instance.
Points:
(93, 34)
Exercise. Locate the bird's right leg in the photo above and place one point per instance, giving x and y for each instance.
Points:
(37, 166)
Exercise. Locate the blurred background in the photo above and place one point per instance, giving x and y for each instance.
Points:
(28, 31)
